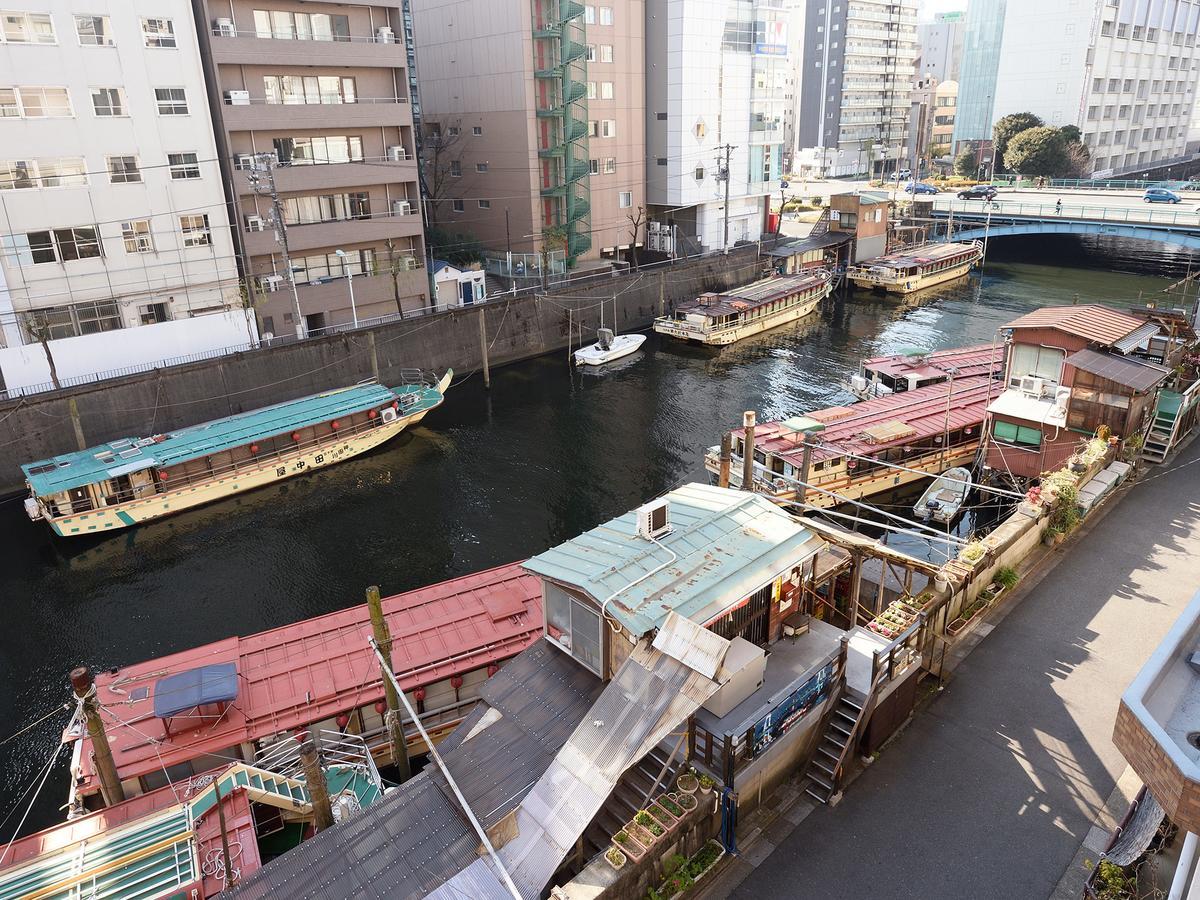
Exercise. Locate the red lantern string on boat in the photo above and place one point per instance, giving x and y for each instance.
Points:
(853, 464)
(492, 669)
(967, 431)
(380, 707)
(254, 448)
(164, 474)
(296, 436)
(419, 694)
(342, 720)
(373, 414)
(456, 681)
(396, 405)
(301, 733)
(335, 424)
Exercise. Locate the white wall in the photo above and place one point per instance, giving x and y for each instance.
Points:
(1042, 68)
(81, 357)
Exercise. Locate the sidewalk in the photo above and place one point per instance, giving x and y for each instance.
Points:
(995, 789)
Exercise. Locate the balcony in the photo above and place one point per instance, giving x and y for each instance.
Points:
(374, 295)
(326, 235)
(259, 115)
(307, 179)
(247, 49)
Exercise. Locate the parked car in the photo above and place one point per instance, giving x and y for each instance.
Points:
(904, 174)
(1160, 195)
(978, 192)
(919, 187)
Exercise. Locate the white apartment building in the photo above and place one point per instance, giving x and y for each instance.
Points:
(1123, 71)
(113, 209)
(856, 74)
(717, 76)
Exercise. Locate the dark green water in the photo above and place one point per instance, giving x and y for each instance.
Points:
(487, 479)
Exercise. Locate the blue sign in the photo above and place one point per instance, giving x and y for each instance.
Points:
(778, 721)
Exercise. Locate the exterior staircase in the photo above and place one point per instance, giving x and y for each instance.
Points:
(632, 794)
(1164, 427)
(841, 732)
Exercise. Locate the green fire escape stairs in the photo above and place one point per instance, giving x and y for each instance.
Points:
(1172, 417)
(560, 49)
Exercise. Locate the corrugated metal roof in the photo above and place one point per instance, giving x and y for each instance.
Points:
(692, 644)
(820, 242)
(1136, 338)
(315, 669)
(1091, 321)
(1137, 374)
(752, 295)
(725, 543)
(982, 359)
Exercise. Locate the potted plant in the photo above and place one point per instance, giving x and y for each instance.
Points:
(669, 802)
(627, 844)
(661, 816)
(703, 861)
(652, 825)
(706, 784)
(688, 802)
(643, 836)
(615, 858)
(687, 782)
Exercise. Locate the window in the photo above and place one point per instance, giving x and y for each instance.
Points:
(94, 31)
(308, 151)
(574, 627)
(34, 103)
(195, 231)
(77, 243)
(153, 313)
(606, 90)
(453, 131)
(183, 166)
(137, 237)
(477, 130)
(591, 52)
(610, 165)
(485, 204)
(298, 26)
(481, 167)
(108, 102)
(589, 15)
(593, 128)
(171, 101)
(1039, 362)
(458, 206)
(326, 208)
(124, 170)
(310, 89)
(72, 321)
(608, 128)
(27, 28)
(1016, 434)
(661, 161)
(330, 265)
(606, 53)
(606, 16)
(591, 90)
(625, 199)
(456, 168)
(158, 32)
(43, 172)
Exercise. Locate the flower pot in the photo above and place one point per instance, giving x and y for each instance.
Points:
(664, 818)
(642, 835)
(615, 857)
(670, 803)
(687, 783)
(629, 845)
(656, 829)
(688, 802)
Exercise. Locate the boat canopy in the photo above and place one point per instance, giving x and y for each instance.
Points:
(192, 688)
(120, 457)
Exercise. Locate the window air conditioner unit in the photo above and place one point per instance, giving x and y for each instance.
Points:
(1032, 386)
(271, 283)
(385, 35)
(255, 223)
(401, 208)
(237, 98)
(397, 154)
(224, 28)
(653, 519)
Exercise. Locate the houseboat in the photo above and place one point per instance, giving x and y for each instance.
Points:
(134, 480)
(907, 370)
(851, 452)
(915, 268)
(719, 319)
(320, 674)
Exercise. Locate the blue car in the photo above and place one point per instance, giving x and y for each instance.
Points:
(1160, 195)
(916, 187)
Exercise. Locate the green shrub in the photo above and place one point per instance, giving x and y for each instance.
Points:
(1007, 577)
(973, 552)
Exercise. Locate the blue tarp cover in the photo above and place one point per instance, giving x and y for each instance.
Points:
(195, 687)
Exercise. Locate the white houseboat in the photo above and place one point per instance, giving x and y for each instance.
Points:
(915, 268)
(719, 319)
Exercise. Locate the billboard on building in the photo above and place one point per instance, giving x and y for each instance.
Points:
(771, 39)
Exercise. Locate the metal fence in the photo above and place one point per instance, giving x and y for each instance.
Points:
(1172, 214)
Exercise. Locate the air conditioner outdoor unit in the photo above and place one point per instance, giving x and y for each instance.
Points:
(224, 28)
(385, 35)
(255, 223)
(654, 519)
(1062, 397)
(271, 282)
(397, 154)
(237, 98)
(1032, 386)
(401, 208)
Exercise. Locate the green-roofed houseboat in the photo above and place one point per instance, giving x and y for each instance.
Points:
(134, 480)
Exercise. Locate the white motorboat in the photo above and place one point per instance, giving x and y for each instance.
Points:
(608, 347)
(944, 498)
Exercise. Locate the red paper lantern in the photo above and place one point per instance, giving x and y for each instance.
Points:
(164, 474)
(456, 681)
(967, 431)
(342, 720)
(396, 405)
(419, 693)
(254, 448)
(853, 464)
(301, 733)
(373, 414)
(492, 669)
(380, 707)
(296, 436)
(335, 424)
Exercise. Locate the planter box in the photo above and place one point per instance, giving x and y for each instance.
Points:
(649, 824)
(664, 818)
(673, 800)
(631, 847)
(642, 835)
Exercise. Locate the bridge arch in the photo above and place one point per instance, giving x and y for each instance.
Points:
(975, 231)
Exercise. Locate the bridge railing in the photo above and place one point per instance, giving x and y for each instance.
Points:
(1178, 214)
(1090, 184)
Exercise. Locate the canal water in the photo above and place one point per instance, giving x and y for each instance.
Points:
(487, 479)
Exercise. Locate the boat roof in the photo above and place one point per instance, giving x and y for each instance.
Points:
(1089, 321)
(725, 544)
(873, 425)
(312, 670)
(982, 359)
(119, 457)
(752, 295)
(803, 245)
(920, 255)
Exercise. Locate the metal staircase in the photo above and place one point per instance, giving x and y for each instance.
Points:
(1164, 426)
(823, 770)
(652, 775)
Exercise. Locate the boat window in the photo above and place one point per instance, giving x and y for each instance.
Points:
(818, 466)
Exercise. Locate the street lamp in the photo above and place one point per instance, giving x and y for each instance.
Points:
(341, 254)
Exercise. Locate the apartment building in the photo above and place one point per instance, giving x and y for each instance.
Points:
(857, 72)
(982, 39)
(113, 211)
(315, 97)
(534, 111)
(1124, 72)
(718, 89)
(941, 43)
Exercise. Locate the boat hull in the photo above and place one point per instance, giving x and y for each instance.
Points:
(622, 346)
(723, 336)
(916, 282)
(248, 478)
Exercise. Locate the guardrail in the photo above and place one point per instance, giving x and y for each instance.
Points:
(1175, 214)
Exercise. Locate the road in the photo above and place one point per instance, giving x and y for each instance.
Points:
(991, 790)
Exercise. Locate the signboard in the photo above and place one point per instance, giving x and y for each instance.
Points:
(770, 38)
(779, 721)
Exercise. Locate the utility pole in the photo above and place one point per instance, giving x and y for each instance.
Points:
(226, 862)
(391, 718)
(84, 685)
(723, 175)
(265, 163)
(314, 780)
(726, 459)
(748, 420)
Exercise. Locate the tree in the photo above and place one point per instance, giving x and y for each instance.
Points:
(441, 165)
(38, 325)
(1038, 151)
(964, 163)
(1079, 160)
(1071, 134)
(395, 267)
(456, 247)
(635, 225)
(1006, 129)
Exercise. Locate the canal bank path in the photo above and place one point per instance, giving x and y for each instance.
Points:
(994, 786)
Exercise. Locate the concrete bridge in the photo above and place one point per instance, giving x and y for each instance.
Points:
(1126, 217)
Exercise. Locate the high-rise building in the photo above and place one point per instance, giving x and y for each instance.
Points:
(1124, 72)
(941, 43)
(113, 211)
(857, 72)
(982, 39)
(533, 112)
(324, 90)
(718, 88)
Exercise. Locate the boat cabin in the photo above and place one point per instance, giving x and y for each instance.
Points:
(711, 317)
(862, 216)
(910, 368)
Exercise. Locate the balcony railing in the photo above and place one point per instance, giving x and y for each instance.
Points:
(377, 38)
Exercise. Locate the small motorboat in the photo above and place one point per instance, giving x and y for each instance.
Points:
(944, 498)
(608, 347)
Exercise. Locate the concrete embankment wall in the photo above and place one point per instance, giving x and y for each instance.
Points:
(519, 328)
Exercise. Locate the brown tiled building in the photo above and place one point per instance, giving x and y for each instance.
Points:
(324, 87)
